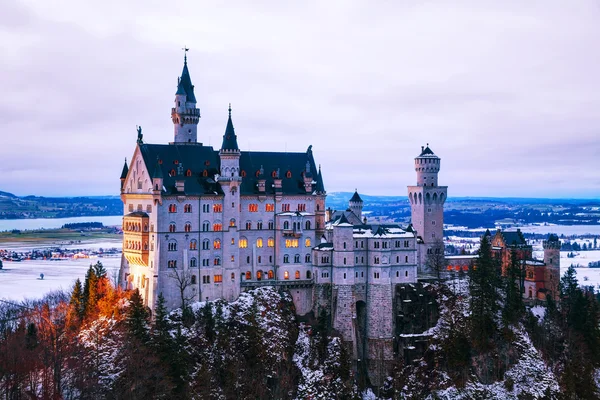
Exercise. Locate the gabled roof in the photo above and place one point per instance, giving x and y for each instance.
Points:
(229, 138)
(513, 238)
(356, 198)
(125, 170)
(320, 188)
(343, 221)
(184, 85)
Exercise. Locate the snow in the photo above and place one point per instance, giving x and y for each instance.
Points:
(54, 223)
(539, 312)
(21, 280)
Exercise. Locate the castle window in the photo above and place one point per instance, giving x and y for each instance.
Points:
(259, 242)
(243, 174)
(270, 274)
(187, 208)
(248, 275)
(243, 243)
(218, 278)
(291, 243)
(216, 244)
(206, 279)
(286, 259)
(406, 243)
(271, 225)
(217, 208)
(301, 207)
(187, 227)
(362, 259)
(406, 273)
(397, 259)
(232, 258)
(193, 245)
(253, 207)
(288, 174)
(217, 227)
(207, 163)
(172, 208)
(344, 264)
(159, 161)
(376, 245)
(286, 225)
(376, 260)
(193, 263)
(286, 275)
(269, 207)
(406, 259)
(297, 259)
(217, 261)
(259, 225)
(324, 274)
(307, 242)
(172, 246)
(233, 276)
(307, 258)
(344, 245)
(432, 222)
(248, 225)
(172, 227)
(205, 173)
(139, 207)
(257, 174)
(297, 275)
(270, 242)
(356, 260)
(176, 162)
(172, 263)
(356, 274)
(308, 275)
(247, 259)
(148, 208)
(131, 208)
(376, 275)
(397, 274)
(259, 259)
(205, 244)
(285, 207)
(307, 225)
(232, 222)
(172, 172)
(385, 245)
(188, 172)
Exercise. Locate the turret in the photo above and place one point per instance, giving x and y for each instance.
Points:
(356, 204)
(124, 173)
(184, 114)
(427, 165)
(552, 268)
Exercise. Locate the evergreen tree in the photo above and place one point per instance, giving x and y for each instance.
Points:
(76, 305)
(136, 319)
(513, 305)
(90, 292)
(484, 281)
(99, 270)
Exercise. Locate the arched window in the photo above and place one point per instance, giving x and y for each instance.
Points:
(217, 227)
(248, 225)
(258, 275)
(288, 174)
(259, 225)
(187, 227)
(193, 263)
(193, 244)
(205, 244)
(205, 173)
(187, 208)
(307, 242)
(307, 225)
(217, 261)
(172, 172)
(172, 245)
(232, 222)
(286, 225)
(307, 258)
(297, 258)
(172, 227)
(217, 244)
(205, 226)
(308, 275)
(297, 275)
(270, 242)
(259, 242)
(286, 275)
(248, 275)
(286, 258)
(270, 274)
(193, 280)
(243, 243)
(172, 208)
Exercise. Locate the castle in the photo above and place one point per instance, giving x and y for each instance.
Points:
(204, 224)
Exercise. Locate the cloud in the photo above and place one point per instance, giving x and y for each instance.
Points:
(506, 93)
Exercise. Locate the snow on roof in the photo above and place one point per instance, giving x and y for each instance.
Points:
(388, 233)
(464, 256)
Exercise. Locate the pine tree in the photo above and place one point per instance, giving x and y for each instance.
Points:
(484, 282)
(90, 292)
(75, 313)
(99, 270)
(513, 305)
(136, 319)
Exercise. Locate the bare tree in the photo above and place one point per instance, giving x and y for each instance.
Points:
(183, 280)
(436, 260)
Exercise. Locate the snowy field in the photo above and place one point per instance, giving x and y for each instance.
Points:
(567, 230)
(21, 280)
(55, 223)
(84, 244)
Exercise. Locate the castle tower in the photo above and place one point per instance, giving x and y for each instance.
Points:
(184, 114)
(427, 200)
(356, 205)
(230, 181)
(552, 269)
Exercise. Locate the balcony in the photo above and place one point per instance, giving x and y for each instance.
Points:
(136, 238)
(292, 283)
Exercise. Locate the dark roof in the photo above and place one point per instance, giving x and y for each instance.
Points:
(137, 214)
(514, 238)
(184, 86)
(157, 173)
(174, 160)
(320, 187)
(426, 151)
(356, 198)
(229, 138)
(125, 170)
(553, 237)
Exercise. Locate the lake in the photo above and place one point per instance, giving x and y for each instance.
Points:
(54, 223)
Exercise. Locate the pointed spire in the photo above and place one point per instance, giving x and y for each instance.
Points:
(125, 170)
(184, 85)
(356, 197)
(229, 138)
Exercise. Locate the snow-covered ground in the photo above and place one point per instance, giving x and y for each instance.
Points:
(20, 280)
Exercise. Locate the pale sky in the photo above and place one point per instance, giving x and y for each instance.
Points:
(507, 93)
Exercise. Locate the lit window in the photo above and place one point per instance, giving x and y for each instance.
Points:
(193, 245)
(217, 244)
(270, 274)
(270, 242)
(172, 227)
(188, 227)
(297, 275)
(217, 208)
(232, 222)
(291, 243)
(286, 275)
(248, 275)
(218, 278)
(243, 243)
(259, 242)
(217, 261)
(172, 208)
(253, 207)
(217, 227)
(188, 172)
(307, 242)
(285, 207)
(269, 207)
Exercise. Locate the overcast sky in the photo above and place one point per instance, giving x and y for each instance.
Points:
(507, 93)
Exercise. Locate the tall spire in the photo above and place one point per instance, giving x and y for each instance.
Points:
(185, 115)
(125, 170)
(229, 138)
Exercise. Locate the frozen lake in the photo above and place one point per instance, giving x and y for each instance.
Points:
(54, 223)
(20, 280)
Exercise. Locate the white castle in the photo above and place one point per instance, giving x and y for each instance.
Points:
(204, 224)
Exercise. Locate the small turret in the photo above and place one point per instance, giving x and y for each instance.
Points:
(184, 114)
(552, 269)
(356, 204)
(427, 165)
(124, 173)
(229, 138)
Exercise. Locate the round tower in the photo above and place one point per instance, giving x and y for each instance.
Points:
(427, 165)
(356, 204)
(184, 114)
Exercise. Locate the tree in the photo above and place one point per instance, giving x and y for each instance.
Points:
(76, 312)
(513, 303)
(90, 292)
(484, 282)
(436, 260)
(183, 280)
